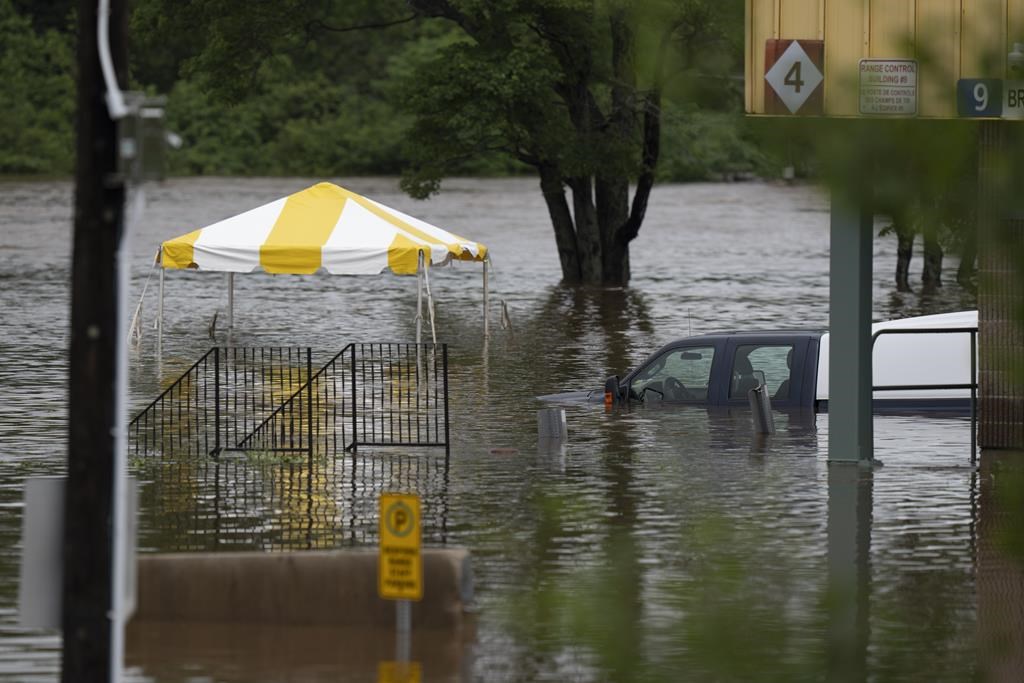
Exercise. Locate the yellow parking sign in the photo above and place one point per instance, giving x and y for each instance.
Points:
(399, 672)
(400, 575)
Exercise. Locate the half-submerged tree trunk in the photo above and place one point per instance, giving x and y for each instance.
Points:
(904, 251)
(966, 271)
(593, 245)
(931, 273)
(590, 248)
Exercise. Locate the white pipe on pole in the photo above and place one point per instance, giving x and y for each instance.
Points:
(487, 308)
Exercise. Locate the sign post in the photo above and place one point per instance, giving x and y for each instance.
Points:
(400, 576)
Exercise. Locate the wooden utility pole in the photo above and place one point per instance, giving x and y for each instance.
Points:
(89, 540)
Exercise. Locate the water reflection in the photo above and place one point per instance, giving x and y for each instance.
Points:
(247, 653)
(850, 509)
(263, 503)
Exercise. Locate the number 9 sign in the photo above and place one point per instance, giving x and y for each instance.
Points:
(979, 97)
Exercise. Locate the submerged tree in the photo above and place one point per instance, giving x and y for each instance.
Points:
(573, 89)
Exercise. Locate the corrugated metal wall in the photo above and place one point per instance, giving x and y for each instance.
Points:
(1000, 302)
(952, 39)
(1000, 579)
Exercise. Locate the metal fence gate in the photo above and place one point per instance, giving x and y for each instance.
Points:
(268, 399)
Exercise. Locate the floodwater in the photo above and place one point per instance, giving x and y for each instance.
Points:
(660, 544)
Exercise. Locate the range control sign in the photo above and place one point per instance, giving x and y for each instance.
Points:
(888, 87)
(400, 573)
(794, 75)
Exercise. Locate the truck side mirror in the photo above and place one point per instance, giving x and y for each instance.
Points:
(612, 392)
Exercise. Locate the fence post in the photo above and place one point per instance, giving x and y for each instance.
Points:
(355, 432)
(974, 396)
(447, 438)
(216, 401)
(309, 404)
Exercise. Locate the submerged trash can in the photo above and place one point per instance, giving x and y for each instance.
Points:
(551, 424)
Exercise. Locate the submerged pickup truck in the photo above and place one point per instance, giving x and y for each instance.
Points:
(919, 364)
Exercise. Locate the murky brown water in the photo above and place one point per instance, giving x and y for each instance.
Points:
(650, 530)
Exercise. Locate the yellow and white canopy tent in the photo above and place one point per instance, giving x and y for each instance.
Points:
(322, 227)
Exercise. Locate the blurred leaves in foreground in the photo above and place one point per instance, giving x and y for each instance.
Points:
(732, 605)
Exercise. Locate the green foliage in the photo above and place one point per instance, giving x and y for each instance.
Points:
(540, 82)
(37, 117)
(295, 126)
(711, 145)
(275, 88)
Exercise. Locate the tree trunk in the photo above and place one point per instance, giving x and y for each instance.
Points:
(553, 188)
(931, 275)
(612, 212)
(904, 252)
(588, 233)
(967, 269)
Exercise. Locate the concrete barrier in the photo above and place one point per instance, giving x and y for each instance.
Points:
(335, 588)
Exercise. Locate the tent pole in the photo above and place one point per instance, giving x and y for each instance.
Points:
(487, 308)
(419, 320)
(419, 300)
(430, 304)
(160, 316)
(231, 302)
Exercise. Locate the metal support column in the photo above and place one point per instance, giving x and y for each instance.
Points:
(850, 433)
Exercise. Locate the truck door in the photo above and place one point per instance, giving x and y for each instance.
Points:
(680, 373)
(776, 361)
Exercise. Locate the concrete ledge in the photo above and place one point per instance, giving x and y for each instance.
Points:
(336, 588)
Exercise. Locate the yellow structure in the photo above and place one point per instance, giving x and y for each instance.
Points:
(400, 571)
(951, 39)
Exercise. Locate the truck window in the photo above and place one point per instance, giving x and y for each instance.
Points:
(677, 375)
(754, 363)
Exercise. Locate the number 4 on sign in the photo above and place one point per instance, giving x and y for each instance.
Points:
(793, 76)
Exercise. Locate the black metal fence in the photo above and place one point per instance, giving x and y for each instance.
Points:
(268, 399)
(220, 399)
(378, 394)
